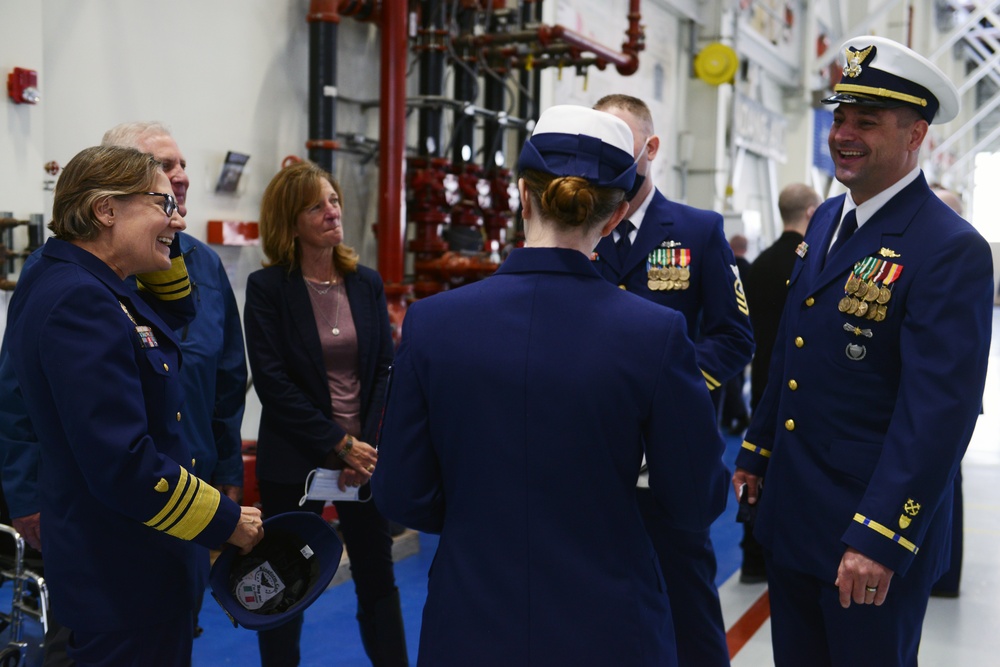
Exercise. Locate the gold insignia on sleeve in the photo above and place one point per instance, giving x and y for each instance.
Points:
(741, 297)
(188, 510)
(162, 486)
(910, 508)
(885, 252)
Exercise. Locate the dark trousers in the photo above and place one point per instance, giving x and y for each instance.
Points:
(949, 582)
(369, 547)
(688, 563)
(164, 645)
(809, 627)
(734, 408)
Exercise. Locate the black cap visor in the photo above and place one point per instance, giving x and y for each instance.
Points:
(867, 101)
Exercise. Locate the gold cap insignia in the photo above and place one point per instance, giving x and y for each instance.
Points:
(854, 59)
(885, 252)
(162, 486)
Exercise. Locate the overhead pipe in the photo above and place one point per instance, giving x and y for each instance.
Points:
(554, 39)
(466, 91)
(431, 47)
(323, 19)
(527, 105)
(392, 133)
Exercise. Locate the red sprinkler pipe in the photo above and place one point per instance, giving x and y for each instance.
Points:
(558, 39)
(392, 134)
(392, 145)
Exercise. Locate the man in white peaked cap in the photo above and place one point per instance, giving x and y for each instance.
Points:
(875, 384)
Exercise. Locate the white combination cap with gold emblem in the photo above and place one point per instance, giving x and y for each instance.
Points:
(879, 72)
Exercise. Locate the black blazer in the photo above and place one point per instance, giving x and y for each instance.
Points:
(297, 430)
(766, 285)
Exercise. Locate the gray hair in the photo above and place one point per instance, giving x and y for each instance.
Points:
(130, 134)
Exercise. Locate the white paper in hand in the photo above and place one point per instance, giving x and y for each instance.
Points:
(321, 484)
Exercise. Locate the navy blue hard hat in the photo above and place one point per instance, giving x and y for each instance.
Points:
(281, 576)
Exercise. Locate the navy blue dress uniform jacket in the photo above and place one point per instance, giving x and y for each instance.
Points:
(713, 304)
(863, 422)
(514, 427)
(297, 430)
(124, 514)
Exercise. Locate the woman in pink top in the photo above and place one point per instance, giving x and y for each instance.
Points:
(319, 346)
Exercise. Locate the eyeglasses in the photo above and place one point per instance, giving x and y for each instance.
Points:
(169, 203)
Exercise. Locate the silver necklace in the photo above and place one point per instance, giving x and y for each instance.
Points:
(329, 285)
(335, 327)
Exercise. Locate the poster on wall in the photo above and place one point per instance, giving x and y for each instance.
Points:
(822, 122)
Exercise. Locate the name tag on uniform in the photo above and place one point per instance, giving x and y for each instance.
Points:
(146, 337)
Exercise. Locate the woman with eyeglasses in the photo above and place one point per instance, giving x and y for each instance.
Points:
(124, 517)
(320, 346)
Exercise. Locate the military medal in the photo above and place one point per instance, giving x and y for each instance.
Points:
(852, 307)
(146, 337)
(844, 304)
(862, 308)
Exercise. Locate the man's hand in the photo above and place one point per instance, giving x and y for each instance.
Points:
(861, 579)
(249, 530)
(30, 528)
(740, 478)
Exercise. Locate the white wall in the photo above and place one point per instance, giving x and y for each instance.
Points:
(21, 125)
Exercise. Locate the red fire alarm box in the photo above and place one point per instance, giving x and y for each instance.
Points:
(22, 86)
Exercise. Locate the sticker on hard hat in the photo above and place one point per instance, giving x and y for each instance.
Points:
(259, 586)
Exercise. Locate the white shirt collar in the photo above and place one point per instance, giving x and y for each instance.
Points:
(636, 218)
(871, 207)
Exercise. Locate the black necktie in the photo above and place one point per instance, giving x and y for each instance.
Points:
(847, 227)
(624, 244)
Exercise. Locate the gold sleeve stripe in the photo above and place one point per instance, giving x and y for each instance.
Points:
(168, 285)
(189, 509)
(711, 381)
(882, 530)
(766, 453)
